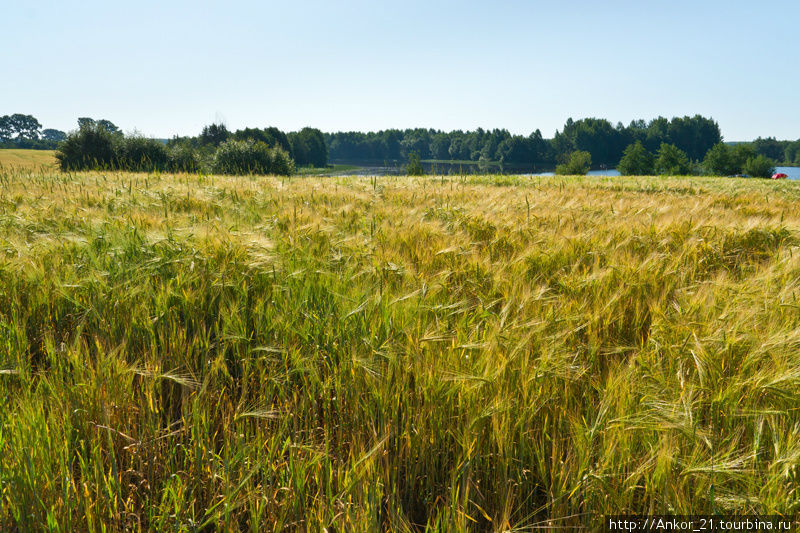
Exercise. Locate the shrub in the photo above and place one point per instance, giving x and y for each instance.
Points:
(183, 158)
(718, 161)
(724, 160)
(578, 165)
(91, 147)
(414, 167)
(271, 136)
(282, 162)
(739, 156)
(636, 161)
(672, 161)
(759, 167)
(141, 154)
(248, 157)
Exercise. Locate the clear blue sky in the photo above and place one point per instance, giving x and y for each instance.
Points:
(169, 67)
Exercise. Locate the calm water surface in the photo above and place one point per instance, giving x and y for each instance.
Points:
(792, 172)
(609, 172)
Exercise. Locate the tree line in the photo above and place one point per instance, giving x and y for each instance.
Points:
(720, 160)
(605, 143)
(306, 147)
(602, 140)
(99, 143)
(690, 145)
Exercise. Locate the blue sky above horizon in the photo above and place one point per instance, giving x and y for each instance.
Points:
(167, 68)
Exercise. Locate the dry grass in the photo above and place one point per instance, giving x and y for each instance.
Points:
(214, 353)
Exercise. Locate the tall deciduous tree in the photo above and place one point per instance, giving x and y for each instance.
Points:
(739, 154)
(770, 147)
(672, 161)
(6, 132)
(308, 147)
(636, 161)
(105, 125)
(214, 134)
(719, 161)
(24, 126)
(50, 134)
(593, 135)
(791, 153)
(270, 136)
(694, 135)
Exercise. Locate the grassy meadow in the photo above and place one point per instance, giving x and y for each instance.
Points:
(209, 353)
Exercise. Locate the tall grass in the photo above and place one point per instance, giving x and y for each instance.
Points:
(199, 353)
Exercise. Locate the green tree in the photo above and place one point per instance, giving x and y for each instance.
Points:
(108, 126)
(791, 153)
(270, 136)
(414, 166)
(440, 146)
(417, 140)
(719, 161)
(770, 147)
(214, 134)
(636, 161)
(53, 135)
(578, 165)
(739, 154)
(6, 132)
(594, 135)
(657, 131)
(104, 124)
(694, 135)
(672, 161)
(26, 127)
(91, 147)
(309, 148)
(759, 167)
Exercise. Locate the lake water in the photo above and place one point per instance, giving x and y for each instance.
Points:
(608, 172)
(792, 172)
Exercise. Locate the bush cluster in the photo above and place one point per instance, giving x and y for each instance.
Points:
(251, 157)
(579, 164)
(759, 167)
(93, 147)
(669, 160)
(725, 160)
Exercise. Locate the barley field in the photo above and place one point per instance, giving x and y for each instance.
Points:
(20, 159)
(209, 353)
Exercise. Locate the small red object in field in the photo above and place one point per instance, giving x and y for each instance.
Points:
(779, 176)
